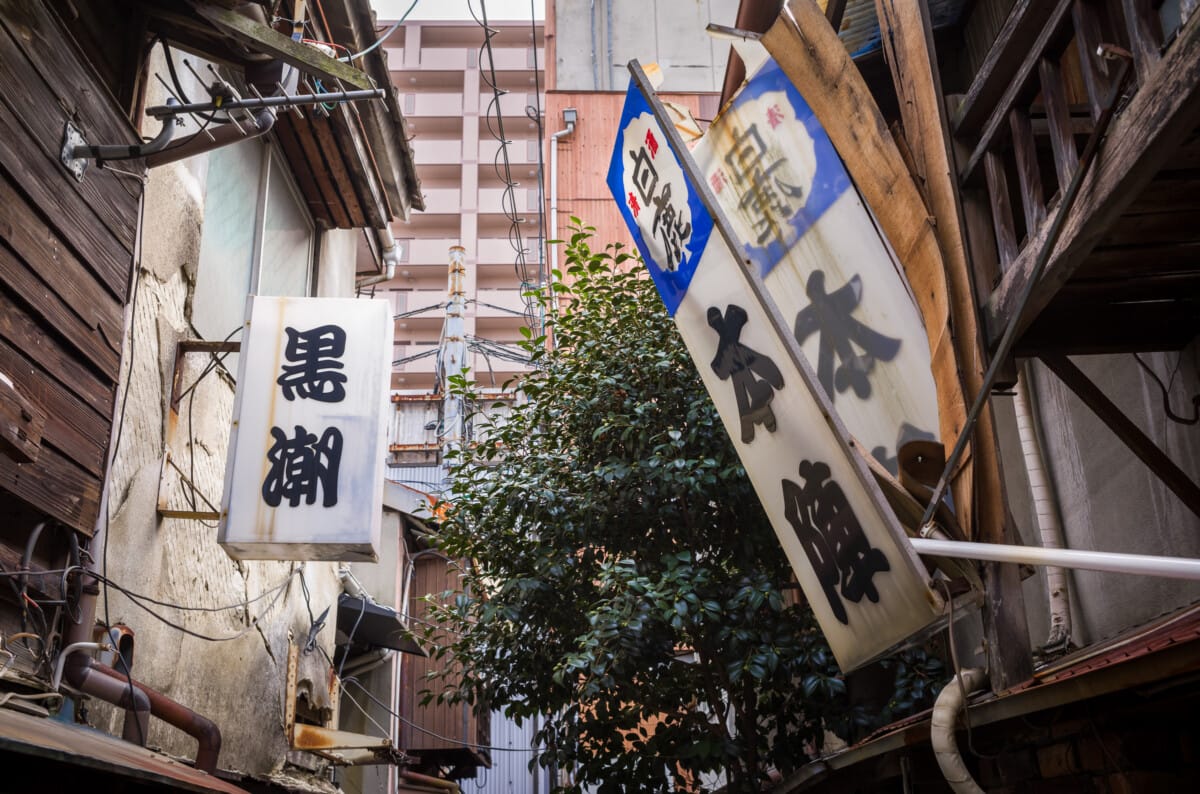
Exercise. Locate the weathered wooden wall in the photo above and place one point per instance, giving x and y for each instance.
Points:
(66, 249)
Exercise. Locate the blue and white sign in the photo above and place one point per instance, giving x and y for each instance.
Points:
(790, 201)
(868, 589)
(668, 221)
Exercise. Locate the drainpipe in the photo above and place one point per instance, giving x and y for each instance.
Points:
(365, 663)
(569, 116)
(435, 782)
(1045, 502)
(943, 724)
(390, 255)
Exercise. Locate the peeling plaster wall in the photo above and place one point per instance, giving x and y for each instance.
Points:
(238, 682)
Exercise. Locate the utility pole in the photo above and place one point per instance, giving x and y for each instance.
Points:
(454, 353)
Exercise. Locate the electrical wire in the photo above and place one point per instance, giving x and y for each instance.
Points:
(1166, 396)
(503, 167)
(383, 38)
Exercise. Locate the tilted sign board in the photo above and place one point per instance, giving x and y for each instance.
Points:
(866, 586)
(790, 202)
(304, 479)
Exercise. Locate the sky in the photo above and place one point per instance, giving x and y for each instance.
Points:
(457, 9)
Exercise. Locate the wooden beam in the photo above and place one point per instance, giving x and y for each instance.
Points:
(1018, 87)
(1145, 34)
(1002, 61)
(812, 56)
(1058, 118)
(1138, 442)
(1161, 115)
(1029, 174)
(265, 39)
(1097, 76)
(1000, 200)
(978, 487)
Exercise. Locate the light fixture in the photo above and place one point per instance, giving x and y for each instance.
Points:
(570, 115)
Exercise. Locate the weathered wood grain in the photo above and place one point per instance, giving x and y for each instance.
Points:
(1161, 115)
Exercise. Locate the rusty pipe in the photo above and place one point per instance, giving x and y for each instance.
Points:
(80, 670)
(434, 782)
(204, 730)
(139, 701)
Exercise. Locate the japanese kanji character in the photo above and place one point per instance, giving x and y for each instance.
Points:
(766, 196)
(651, 143)
(313, 372)
(754, 376)
(645, 177)
(302, 465)
(840, 553)
(670, 227)
(633, 204)
(829, 315)
(718, 180)
(774, 116)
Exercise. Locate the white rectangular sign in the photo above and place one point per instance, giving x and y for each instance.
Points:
(304, 478)
(867, 588)
(790, 202)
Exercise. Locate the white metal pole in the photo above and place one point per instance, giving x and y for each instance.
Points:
(454, 350)
(1144, 564)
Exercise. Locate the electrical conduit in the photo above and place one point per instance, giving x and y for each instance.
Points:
(943, 724)
(1045, 503)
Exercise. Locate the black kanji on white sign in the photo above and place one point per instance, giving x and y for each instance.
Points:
(302, 466)
(829, 316)
(754, 376)
(840, 553)
(315, 360)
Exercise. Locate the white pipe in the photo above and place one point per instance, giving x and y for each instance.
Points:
(554, 139)
(943, 724)
(1046, 509)
(390, 256)
(1140, 564)
(66, 652)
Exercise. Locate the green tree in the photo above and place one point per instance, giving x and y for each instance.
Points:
(624, 583)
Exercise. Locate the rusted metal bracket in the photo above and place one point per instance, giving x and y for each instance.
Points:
(212, 514)
(341, 747)
(186, 347)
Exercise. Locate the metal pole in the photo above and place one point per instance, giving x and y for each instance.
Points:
(454, 351)
(1141, 564)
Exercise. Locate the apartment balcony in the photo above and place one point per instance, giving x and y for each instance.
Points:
(511, 105)
(429, 251)
(520, 152)
(431, 151)
(443, 200)
(499, 303)
(419, 105)
(518, 58)
(525, 200)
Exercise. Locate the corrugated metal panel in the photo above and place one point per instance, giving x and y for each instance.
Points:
(414, 422)
(510, 761)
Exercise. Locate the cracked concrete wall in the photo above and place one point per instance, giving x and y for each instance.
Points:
(227, 664)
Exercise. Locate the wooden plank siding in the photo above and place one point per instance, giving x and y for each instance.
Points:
(66, 251)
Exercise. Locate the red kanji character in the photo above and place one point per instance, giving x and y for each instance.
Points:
(651, 143)
(633, 204)
(717, 180)
(774, 116)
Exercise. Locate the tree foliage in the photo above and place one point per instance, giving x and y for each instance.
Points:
(624, 583)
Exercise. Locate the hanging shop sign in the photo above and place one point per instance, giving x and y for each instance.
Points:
(790, 203)
(304, 478)
(866, 586)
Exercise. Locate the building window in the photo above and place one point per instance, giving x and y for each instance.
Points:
(258, 238)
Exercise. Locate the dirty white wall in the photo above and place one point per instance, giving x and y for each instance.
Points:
(235, 673)
(597, 38)
(1108, 499)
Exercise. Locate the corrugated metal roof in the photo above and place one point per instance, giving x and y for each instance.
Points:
(84, 747)
(860, 25)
